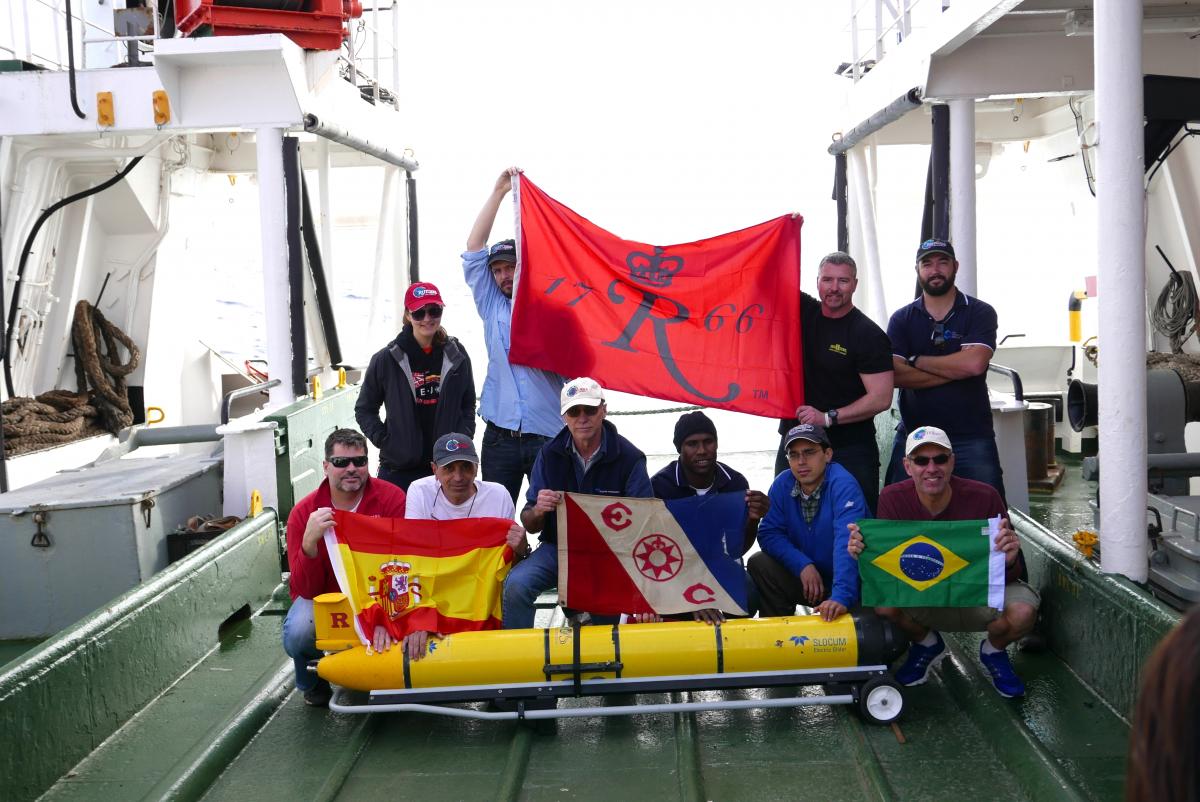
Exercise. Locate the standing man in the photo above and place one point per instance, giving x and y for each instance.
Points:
(518, 403)
(942, 344)
(806, 530)
(934, 493)
(587, 456)
(347, 486)
(847, 373)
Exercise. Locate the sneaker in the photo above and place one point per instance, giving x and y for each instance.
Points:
(318, 695)
(920, 661)
(1004, 679)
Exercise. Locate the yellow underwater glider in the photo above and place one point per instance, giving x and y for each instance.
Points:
(529, 669)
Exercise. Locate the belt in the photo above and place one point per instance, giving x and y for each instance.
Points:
(511, 432)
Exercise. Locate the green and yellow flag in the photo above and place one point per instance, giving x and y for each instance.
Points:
(931, 564)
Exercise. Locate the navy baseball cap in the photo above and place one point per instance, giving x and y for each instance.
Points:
(503, 251)
(934, 246)
(454, 447)
(807, 431)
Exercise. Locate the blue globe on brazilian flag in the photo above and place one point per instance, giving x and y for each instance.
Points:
(930, 564)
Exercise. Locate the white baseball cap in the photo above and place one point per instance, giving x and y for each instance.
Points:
(583, 391)
(926, 434)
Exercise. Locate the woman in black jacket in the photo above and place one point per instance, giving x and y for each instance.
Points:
(423, 380)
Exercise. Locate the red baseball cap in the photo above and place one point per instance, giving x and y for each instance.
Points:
(421, 294)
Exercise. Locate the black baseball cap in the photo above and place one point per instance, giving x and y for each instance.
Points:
(503, 251)
(934, 246)
(806, 431)
(454, 447)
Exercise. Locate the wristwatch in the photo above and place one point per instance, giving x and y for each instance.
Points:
(912, 361)
(832, 415)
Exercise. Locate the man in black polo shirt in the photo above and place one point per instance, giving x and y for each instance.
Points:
(697, 473)
(847, 374)
(942, 344)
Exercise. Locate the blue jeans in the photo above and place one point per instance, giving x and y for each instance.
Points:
(508, 459)
(974, 458)
(300, 641)
(528, 579)
(402, 477)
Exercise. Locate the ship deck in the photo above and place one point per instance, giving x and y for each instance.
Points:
(232, 728)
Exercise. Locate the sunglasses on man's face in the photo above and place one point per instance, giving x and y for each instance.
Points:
(433, 310)
(342, 462)
(937, 459)
(579, 409)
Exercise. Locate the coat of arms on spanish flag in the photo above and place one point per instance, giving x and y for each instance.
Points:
(645, 555)
(930, 564)
(409, 575)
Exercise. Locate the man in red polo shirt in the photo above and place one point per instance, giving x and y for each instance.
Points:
(347, 486)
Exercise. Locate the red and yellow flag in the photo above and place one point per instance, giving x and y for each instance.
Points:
(411, 575)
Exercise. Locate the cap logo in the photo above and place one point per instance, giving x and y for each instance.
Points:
(421, 292)
(572, 391)
(919, 434)
(653, 270)
(453, 445)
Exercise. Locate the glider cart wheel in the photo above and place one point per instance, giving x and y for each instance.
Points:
(880, 700)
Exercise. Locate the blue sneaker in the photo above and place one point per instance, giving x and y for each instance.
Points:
(920, 661)
(1004, 679)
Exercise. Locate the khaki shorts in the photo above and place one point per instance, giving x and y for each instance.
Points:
(972, 619)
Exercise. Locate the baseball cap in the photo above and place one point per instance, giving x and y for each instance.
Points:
(806, 431)
(584, 390)
(926, 434)
(420, 294)
(934, 246)
(503, 251)
(454, 447)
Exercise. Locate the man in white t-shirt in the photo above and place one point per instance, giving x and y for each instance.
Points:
(454, 492)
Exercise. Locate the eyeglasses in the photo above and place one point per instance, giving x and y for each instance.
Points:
(579, 409)
(342, 462)
(937, 459)
(433, 310)
(802, 454)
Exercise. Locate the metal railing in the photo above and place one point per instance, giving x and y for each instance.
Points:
(875, 25)
(386, 42)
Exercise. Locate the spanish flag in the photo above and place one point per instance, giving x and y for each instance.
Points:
(410, 575)
(931, 564)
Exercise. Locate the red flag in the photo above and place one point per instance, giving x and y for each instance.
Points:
(714, 322)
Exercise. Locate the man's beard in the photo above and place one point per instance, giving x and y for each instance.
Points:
(945, 287)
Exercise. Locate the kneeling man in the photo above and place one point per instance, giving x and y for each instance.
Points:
(933, 493)
(805, 531)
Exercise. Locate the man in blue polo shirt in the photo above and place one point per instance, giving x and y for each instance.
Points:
(519, 404)
(942, 344)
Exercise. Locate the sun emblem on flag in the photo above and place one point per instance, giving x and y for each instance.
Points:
(657, 557)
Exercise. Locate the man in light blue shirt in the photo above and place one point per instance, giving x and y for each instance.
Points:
(519, 404)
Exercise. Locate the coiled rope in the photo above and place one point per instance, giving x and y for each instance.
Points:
(1175, 309)
(101, 405)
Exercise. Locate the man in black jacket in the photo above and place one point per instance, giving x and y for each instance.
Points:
(423, 380)
(587, 456)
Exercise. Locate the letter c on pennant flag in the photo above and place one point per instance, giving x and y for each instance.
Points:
(692, 594)
(617, 516)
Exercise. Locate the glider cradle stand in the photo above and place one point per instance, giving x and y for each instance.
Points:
(525, 672)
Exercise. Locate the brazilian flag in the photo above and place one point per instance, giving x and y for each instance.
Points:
(930, 564)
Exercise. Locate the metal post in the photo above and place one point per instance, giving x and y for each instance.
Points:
(839, 197)
(871, 274)
(379, 279)
(1122, 287)
(939, 162)
(272, 210)
(323, 171)
(962, 192)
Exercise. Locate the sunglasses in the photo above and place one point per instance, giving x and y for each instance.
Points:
(938, 335)
(342, 462)
(433, 310)
(579, 409)
(922, 461)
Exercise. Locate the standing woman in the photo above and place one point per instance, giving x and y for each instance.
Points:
(423, 381)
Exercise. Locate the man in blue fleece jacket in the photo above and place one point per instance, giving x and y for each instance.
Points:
(804, 534)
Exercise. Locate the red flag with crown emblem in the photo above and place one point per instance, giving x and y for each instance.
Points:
(714, 322)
